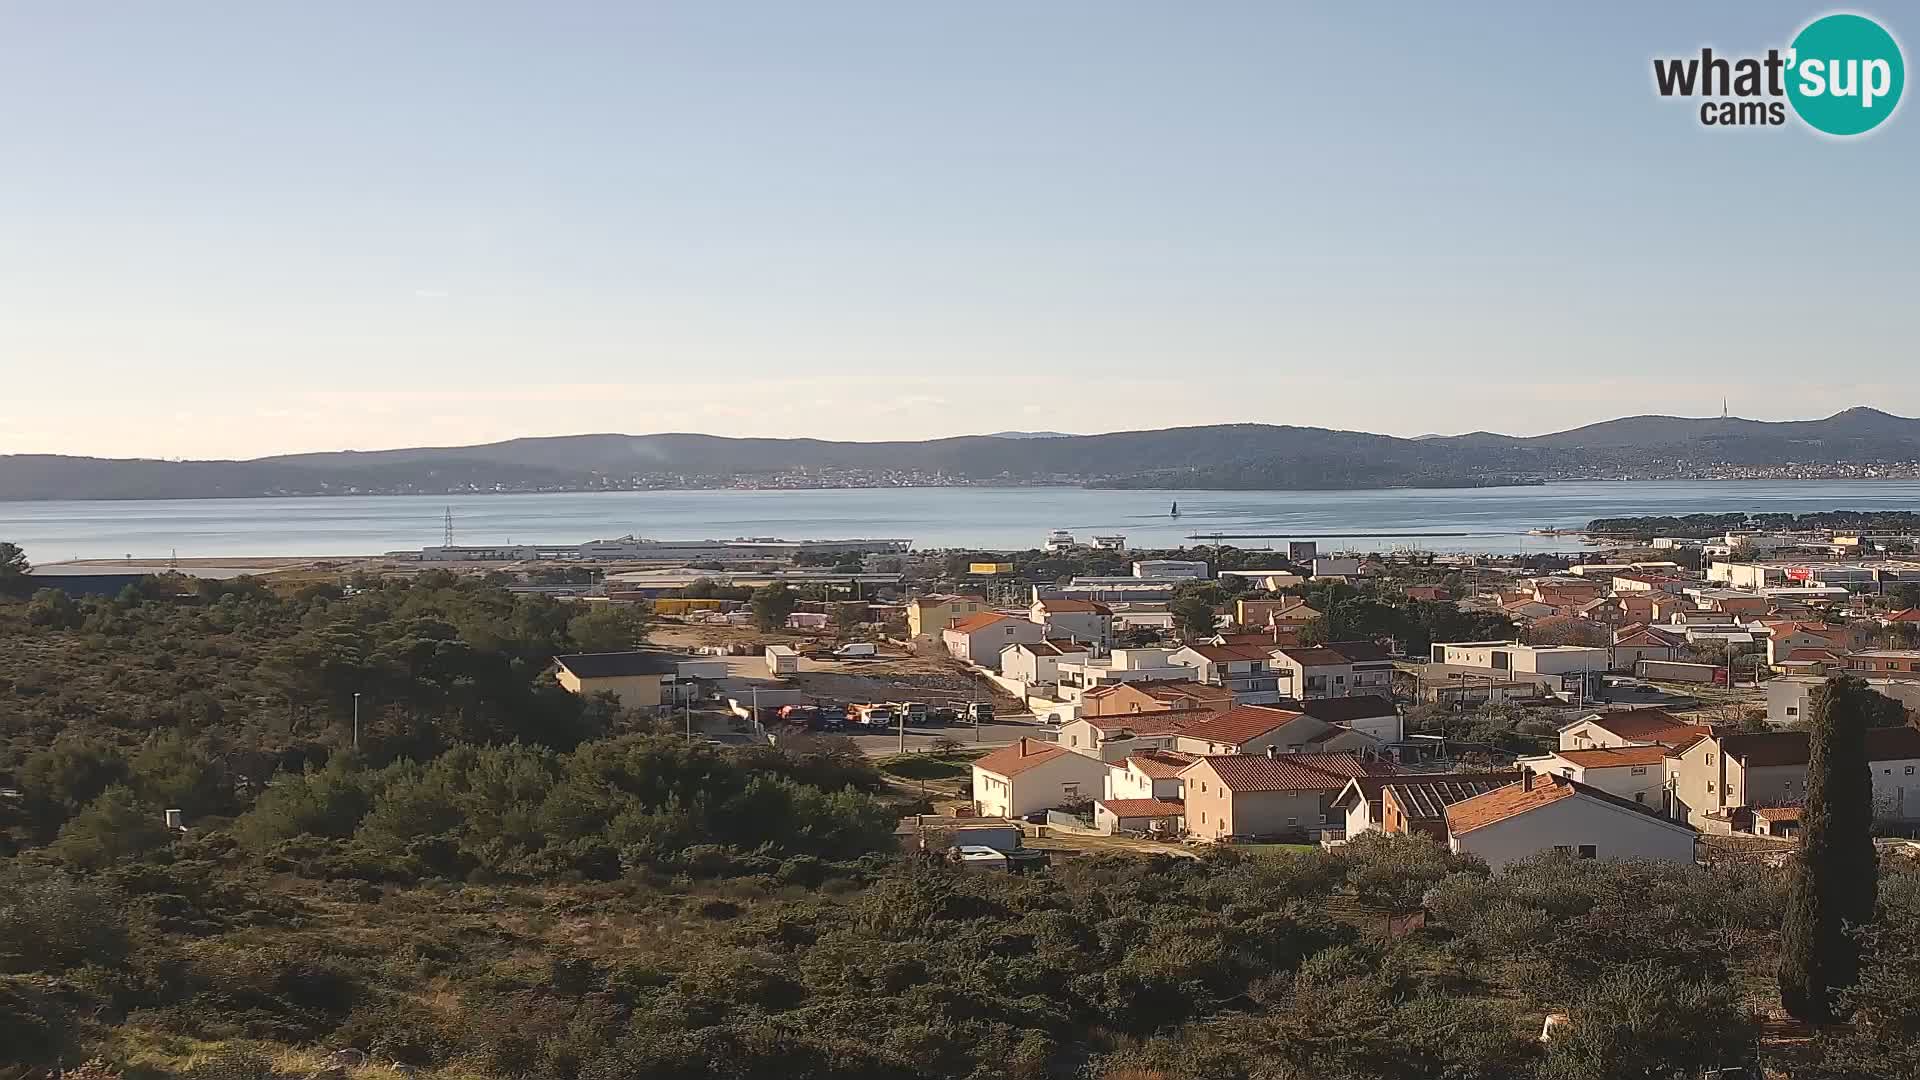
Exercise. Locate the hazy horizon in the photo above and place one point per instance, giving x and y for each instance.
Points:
(235, 231)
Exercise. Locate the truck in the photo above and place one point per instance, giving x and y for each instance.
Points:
(782, 660)
(914, 711)
(857, 649)
(977, 712)
(879, 715)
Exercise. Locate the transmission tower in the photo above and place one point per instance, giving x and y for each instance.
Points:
(447, 538)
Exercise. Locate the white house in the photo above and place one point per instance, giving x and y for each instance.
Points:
(1113, 738)
(1336, 669)
(1529, 659)
(1147, 774)
(1635, 773)
(1170, 568)
(1629, 727)
(1017, 780)
(1553, 813)
(1036, 664)
(978, 639)
(1247, 670)
(1370, 714)
(1086, 622)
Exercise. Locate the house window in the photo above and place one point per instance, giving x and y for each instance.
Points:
(1203, 817)
(1793, 710)
(1070, 791)
(1563, 849)
(1588, 851)
(1709, 787)
(1292, 821)
(1637, 770)
(1909, 770)
(1640, 797)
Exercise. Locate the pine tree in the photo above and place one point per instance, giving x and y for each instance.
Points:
(1835, 875)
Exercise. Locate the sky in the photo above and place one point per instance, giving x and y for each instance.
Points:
(232, 228)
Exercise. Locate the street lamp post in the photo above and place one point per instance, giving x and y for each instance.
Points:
(356, 721)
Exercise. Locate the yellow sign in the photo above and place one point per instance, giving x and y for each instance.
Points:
(991, 568)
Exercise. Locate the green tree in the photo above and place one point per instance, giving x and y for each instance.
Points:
(173, 771)
(1834, 879)
(607, 628)
(1194, 616)
(772, 604)
(14, 569)
(54, 608)
(114, 826)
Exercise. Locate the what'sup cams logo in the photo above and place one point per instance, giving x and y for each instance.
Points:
(1842, 75)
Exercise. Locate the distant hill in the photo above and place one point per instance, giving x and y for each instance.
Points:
(1222, 456)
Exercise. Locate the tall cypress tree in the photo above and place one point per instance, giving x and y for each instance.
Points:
(1835, 875)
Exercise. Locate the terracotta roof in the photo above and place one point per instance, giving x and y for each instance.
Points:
(1777, 813)
(1161, 764)
(1905, 615)
(1155, 722)
(980, 621)
(1610, 757)
(1291, 772)
(1640, 725)
(1173, 691)
(1664, 637)
(1241, 723)
(1139, 808)
(1345, 710)
(1011, 761)
(1515, 799)
(1427, 799)
(1063, 607)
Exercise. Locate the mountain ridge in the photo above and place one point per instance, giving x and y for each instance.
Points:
(1223, 456)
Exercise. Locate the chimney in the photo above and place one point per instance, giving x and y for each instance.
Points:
(1526, 780)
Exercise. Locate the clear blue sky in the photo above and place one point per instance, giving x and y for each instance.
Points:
(239, 228)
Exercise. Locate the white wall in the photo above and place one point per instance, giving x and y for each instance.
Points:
(1615, 832)
(1040, 787)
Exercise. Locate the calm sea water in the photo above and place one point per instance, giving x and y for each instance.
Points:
(1494, 519)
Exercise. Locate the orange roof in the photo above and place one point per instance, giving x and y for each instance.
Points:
(1173, 691)
(1151, 722)
(1139, 808)
(1777, 813)
(1905, 615)
(1241, 723)
(1532, 793)
(1160, 764)
(1608, 757)
(977, 622)
(1502, 803)
(1013, 760)
(1643, 725)
(1291, 772)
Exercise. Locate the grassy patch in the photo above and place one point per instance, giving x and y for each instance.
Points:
(954, 766)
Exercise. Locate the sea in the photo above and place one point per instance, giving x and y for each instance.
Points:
(1494, 519)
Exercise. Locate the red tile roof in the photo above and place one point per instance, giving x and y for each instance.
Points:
(1515, 799)
(1610, 757)
(1320, 657)
(1291, 772)
(1240, 724)
(1011, 761)
(1174, 691)
(1777, 813)
(980, 621)
(1642, 725)
(1143, 808)
(1156, 722)
(1161, 764)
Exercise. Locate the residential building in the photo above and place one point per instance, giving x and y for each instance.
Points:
(1121, 666)
(1887, 663)
(1428, 592)
(637, 677)
(1784, 636)
(930, 614)
(1289, 614)
(1112, 816)
(1267, 580)
(1087, 622)
(1373, 715)
(1709, 779)
(1255, 729)
(1417, 806)
(1336, 669)
(1527, 659)
(978, 639)
(1017, 780)
(1036, 664)
(1632, 644)
(1790, 697)
(1554, 813)
(1112, 738)
(1241, 795)
(1190, 569)
(1118, 699)
(1635, 773)
(1247, 670)
(1148, 774)
(1360, 801)
(1630, 727)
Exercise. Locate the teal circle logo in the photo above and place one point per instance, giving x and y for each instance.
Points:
(1845, 74)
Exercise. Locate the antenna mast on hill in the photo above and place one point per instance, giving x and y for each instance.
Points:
(447, 539)
(1723, 408)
